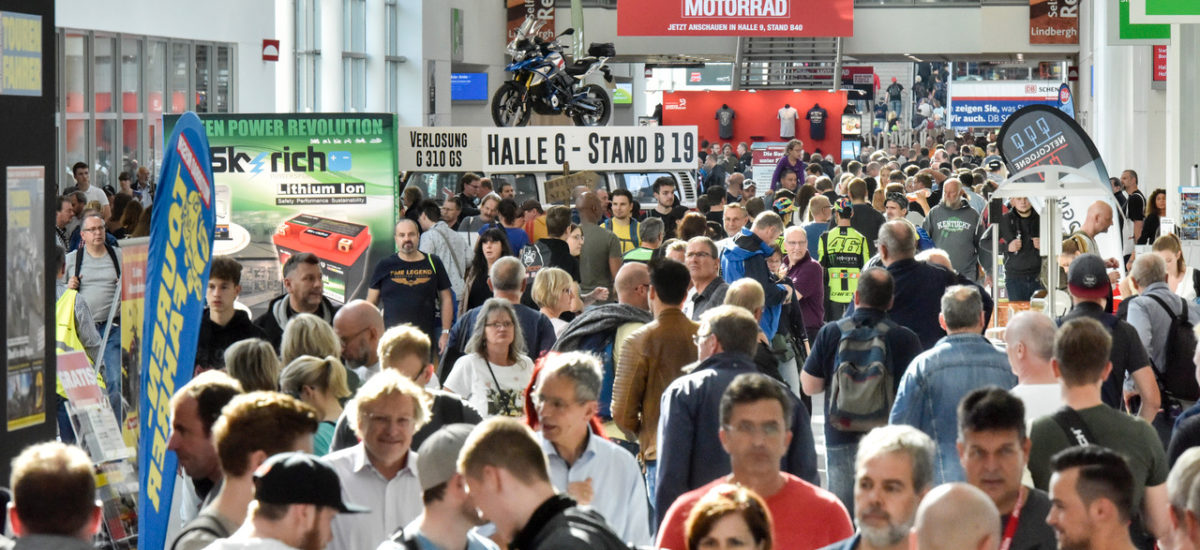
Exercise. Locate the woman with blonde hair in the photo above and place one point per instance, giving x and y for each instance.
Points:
(319, 383)
(253, 363)
(307, 334)
(1180, 278)
(554, 293)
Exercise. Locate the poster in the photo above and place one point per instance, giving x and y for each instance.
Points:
(518, 10)
(181, 240)
(20, 54)
(133, 290)
(1054, 21)
(25, 273)
(288, 183)
(976, 104)
(824, 18)
(1189, 222)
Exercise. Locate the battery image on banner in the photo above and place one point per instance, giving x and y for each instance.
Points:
(222, 211)
(341, 246)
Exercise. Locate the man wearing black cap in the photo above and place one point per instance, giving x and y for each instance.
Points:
(1087, 281)
(296, 497)
(449, 518)
(843, 253)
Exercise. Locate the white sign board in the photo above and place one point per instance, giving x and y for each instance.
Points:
(546, 148)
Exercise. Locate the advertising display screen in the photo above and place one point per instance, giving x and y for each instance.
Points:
(468, 86)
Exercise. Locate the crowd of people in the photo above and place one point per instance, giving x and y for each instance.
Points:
(591, 376)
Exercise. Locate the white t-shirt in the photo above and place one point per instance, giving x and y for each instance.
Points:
(1186, 289)
(787, 122)
(1040, 400)
(94, 193)
(476, 380)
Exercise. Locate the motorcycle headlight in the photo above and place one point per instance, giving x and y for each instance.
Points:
(517, 55)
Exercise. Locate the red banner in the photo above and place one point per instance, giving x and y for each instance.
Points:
(735, 17)
(1054, 21)
(1160, 63)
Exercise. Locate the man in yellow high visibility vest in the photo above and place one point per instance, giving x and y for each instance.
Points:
(74, 331)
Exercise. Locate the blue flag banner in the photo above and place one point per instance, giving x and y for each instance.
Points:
(181, 239)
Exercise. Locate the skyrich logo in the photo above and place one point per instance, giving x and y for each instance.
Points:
(736, 8)
(229, 159)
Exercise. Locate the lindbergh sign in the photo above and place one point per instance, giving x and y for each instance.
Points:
(735, 18)
(736, 8)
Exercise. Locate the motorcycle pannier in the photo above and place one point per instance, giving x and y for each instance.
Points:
(602, 49)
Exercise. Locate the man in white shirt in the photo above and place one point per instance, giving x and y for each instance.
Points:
(381, 471)
(1029, 343)
(585, 466)
(83, 183)
(296, 497)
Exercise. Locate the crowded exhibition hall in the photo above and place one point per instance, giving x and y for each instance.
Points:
(600, 274)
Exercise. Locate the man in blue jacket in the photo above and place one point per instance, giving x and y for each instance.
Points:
(689, 450)
(746, 256)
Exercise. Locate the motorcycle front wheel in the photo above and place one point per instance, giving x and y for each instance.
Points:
(509, 107)
(596, 96)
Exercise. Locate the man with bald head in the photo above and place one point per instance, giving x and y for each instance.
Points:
(957, 228)
(600, 257)
(1099, 219)
(359, 325)
(1029, 343)
(603, 329)
(413, 287)
(956, 516)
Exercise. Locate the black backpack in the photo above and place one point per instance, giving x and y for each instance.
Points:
(1179, 373)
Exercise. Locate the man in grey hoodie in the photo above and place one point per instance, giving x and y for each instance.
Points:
(958, 229)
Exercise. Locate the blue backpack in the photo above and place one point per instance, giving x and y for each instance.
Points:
(862, 388)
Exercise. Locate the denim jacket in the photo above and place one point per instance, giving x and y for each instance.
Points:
(934, 384)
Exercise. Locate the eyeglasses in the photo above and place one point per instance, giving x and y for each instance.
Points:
(93, 229)
(697, 255)
(768, 429)
(347, 339)
(502, 324)
(542, 402)
(697, 338)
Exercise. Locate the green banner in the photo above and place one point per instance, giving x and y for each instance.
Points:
(290, 183)
(1172, 7)
(1134, 31)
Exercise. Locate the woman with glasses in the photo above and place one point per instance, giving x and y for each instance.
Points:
(491, 246)
(495, 370)
(319, 383)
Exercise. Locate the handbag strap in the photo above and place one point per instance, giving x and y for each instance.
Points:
(1074, 427)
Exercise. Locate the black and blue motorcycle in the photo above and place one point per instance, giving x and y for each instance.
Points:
(542, 82)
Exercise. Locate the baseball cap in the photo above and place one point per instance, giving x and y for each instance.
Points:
(437, 458)
(301, 478)
(1088, 278)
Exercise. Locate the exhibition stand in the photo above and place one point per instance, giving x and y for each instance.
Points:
(757, 116)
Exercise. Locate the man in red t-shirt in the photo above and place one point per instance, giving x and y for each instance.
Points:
(755, 431)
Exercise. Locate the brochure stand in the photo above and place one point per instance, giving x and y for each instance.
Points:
(98, 434)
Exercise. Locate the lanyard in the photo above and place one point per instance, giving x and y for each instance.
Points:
(1013, 520)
